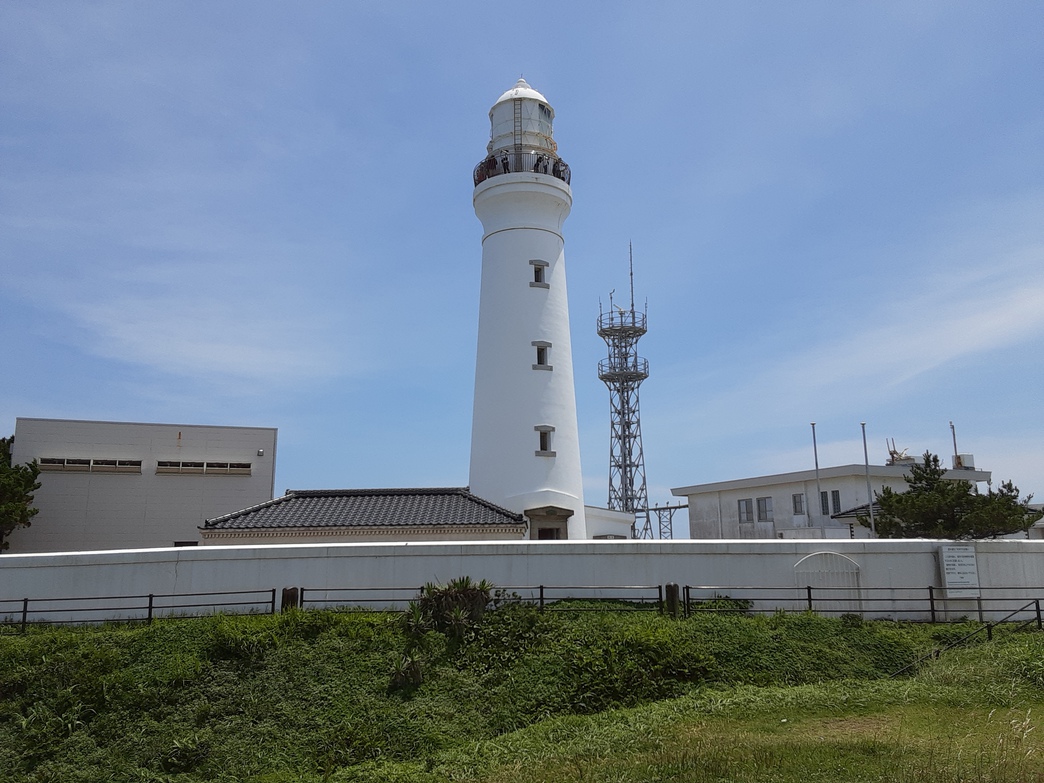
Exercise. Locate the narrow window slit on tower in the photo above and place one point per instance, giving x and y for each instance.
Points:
(543, 355)
(544, 435)
(539, 275)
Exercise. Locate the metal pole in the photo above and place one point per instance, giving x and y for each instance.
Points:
(630, 263)
(953, 432)
(869, 492)
(819, 492)
(808, 590)
(931, 601)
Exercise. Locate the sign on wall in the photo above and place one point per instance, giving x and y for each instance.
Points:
(959, 571)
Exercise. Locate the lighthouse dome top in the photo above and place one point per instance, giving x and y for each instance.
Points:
(521, 137)
(520, 90)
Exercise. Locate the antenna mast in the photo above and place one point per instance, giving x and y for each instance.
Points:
(623, 372)
(630, 267)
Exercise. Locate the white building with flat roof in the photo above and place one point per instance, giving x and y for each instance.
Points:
(785, 505)
(123, 485)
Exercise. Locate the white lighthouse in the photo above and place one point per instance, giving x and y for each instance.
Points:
(525, 449)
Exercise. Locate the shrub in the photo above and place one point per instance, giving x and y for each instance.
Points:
(457, 606)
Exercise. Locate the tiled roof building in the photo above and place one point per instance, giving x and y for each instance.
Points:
(330, 515)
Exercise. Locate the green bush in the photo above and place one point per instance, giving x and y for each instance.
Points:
(304, 696)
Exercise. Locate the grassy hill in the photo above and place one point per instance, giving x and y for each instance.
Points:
(520, 696)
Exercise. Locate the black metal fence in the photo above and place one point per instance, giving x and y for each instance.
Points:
(84, 610)
(555, 598)
(356, 598)
(928, 603)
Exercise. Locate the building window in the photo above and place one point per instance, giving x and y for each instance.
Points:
(548, 534)
(543, 355)
(175, 466)
(824, 505)
(764, 509)
(746, 510)
(210, 468)
(835, 499)
(799, 504)
(539, 275)
(66, 464)
(544, 443)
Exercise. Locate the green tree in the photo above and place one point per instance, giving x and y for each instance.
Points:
(939, 507)
(17, 485)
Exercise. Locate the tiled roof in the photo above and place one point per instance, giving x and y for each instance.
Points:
(366, 508)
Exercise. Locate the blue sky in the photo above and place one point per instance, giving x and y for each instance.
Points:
(259, 213)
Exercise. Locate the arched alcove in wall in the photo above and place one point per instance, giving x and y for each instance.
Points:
(834, 579)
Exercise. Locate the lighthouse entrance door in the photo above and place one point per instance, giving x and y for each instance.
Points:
(548, 523)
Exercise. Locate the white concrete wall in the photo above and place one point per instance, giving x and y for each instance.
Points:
(604, 522)
(92, 510)
(725, 566)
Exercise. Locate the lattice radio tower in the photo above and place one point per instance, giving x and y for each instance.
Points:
(623, 372)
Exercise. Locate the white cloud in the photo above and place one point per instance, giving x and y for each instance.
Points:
(1019, 459)
(985, 295)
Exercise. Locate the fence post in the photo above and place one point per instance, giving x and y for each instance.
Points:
(686, 605)
(672, 600)
(931, 601)
(978, 602)
(989, 632)
(541, 598)
(291, 599)
(150, 609)
(659, 599)
(273, 601)
(808, 590)
(25, 613)
(1036, 603)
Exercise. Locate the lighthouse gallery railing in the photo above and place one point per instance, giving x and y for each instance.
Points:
(522, 162)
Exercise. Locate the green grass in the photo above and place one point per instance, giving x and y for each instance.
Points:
(613, 696)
